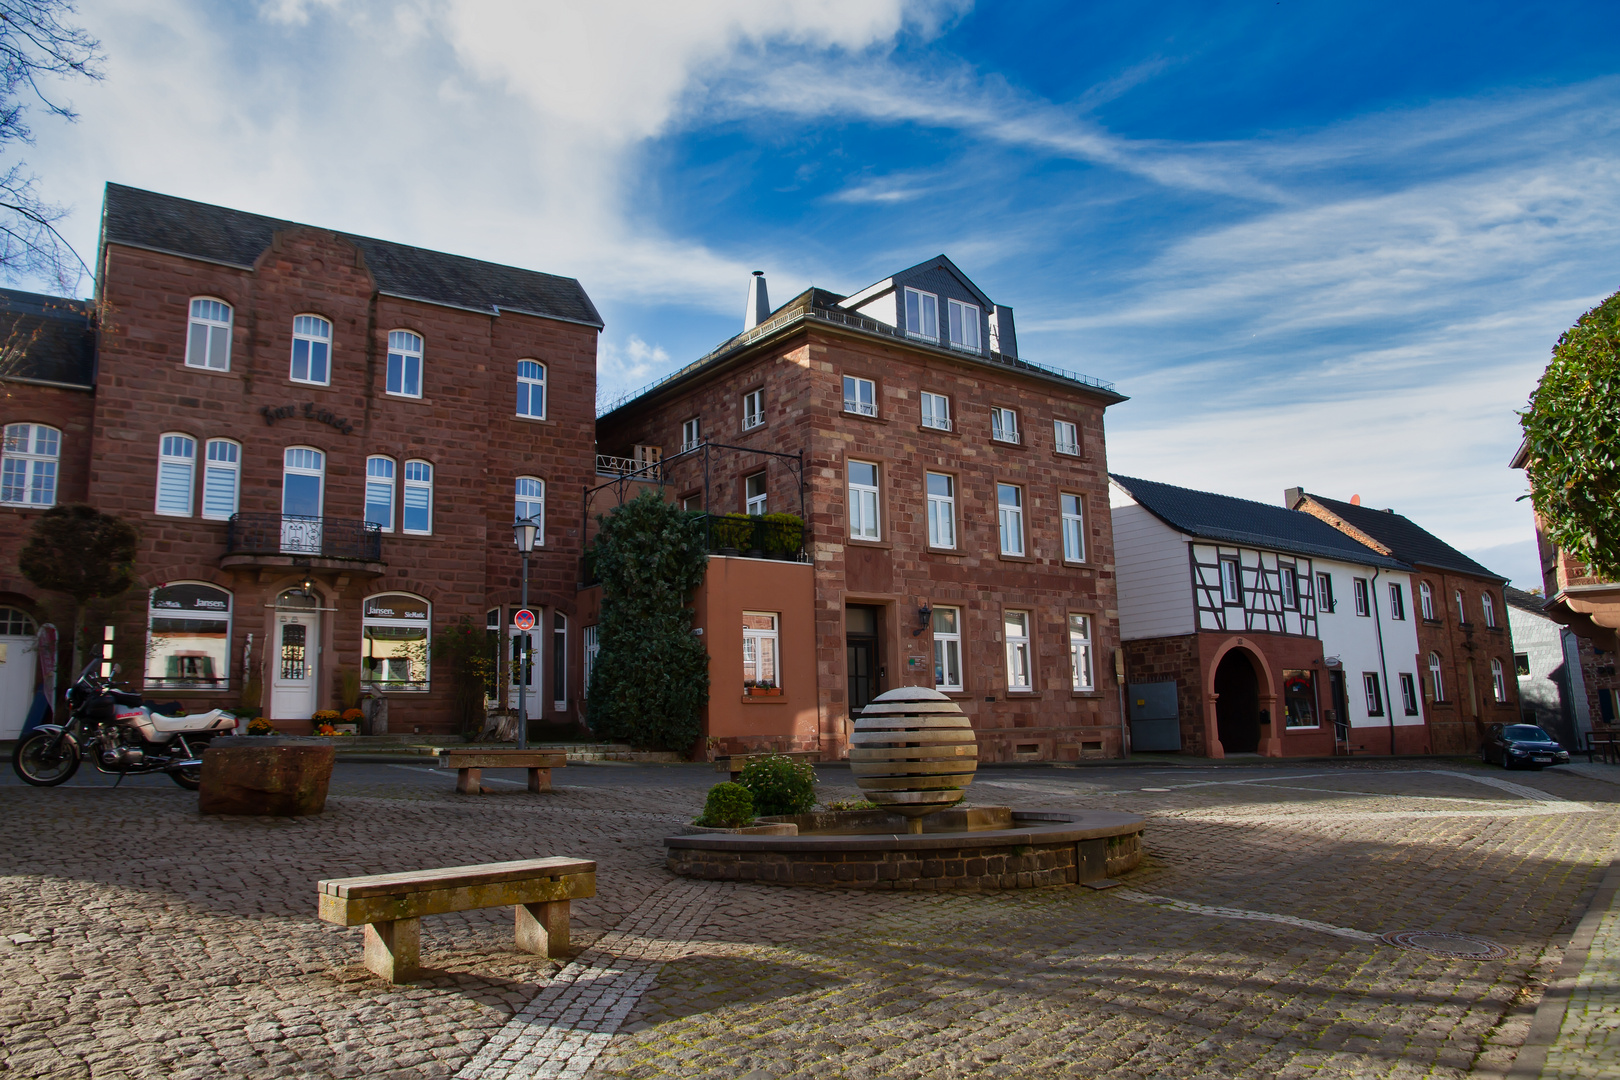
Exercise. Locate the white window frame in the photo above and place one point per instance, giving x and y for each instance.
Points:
(1397, 602)
(1231, 582)
(1373, 692)
(157, 656)
(947, 649)
(1488, 606)
(1435, 677)
(1426, 600)
(529, 386)
(935, 410)
(174, 469)
(1010, 519)
(864, 399)
(1066, 437)
(753, 409)
(964, 326)
(691, 433)
(1072, 508)
(1288, 584)
(1083, 678)
(1409, 694)
(30, 462)
(392, 685)
(755, 502)
(407, 346)
(592, 646)
(865, 502)
(941, 511)
(1020, 669)
(1498, 681)
(417, 479)
(291, 463)
(213, 317)
(1362, 593)
(559, 661)
(306, 329)
(1462, 606)
(922, 314)
(753, 638)
(1004, 425)
(222, 474)
(529, 500)
(1325, 604)
(381, 473)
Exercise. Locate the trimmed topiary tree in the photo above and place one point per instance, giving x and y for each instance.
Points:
(651, 677)
(1572, 439)
(780, 785)
(729, 806)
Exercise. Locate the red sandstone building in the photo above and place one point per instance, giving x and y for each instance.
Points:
(956, 518)
(323, 440)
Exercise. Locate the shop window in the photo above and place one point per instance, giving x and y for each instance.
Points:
(28, 465)
(188, 637)
(404, 363)
(395, 629)
(947, 623)
(1299, 698)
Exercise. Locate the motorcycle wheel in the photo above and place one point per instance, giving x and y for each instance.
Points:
(32, 759)
(190, 779)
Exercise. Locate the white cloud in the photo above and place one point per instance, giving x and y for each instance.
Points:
(622, 369)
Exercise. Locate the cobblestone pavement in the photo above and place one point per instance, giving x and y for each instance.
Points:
(140, 939)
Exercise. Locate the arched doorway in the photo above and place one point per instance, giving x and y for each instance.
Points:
(1237, 703)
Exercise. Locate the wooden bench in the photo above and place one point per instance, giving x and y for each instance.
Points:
(391, 906)
(471, 761)
(737, 762)
(1606, 743)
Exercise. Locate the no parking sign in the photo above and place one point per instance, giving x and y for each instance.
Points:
(523, 619)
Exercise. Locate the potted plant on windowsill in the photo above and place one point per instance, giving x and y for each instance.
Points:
(761, 688)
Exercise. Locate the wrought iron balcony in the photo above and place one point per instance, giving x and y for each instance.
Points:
(313, 537)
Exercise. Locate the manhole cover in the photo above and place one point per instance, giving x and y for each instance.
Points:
(1452, 946)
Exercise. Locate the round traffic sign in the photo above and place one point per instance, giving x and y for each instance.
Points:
(523, 619)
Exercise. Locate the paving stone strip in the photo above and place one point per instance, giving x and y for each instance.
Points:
(1136, 896)
(569, 1023)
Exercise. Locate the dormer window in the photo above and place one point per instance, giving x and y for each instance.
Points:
(922, 315)
(964, 324)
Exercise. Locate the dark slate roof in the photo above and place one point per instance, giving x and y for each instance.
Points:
(1525, 601)
(52, 336)
(145, 219)
(1254, 524)
(1406, 540)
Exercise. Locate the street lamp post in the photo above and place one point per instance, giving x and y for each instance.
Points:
(524, 532)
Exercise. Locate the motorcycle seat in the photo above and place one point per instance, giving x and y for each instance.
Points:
(192, 722)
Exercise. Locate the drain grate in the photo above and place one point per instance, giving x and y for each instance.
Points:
(1451, 946)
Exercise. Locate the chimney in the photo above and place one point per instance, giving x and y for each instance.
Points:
(1292, 497)
(1355, 500)
(759, 305)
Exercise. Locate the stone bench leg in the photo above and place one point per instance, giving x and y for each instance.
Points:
(394, 949)
(468, 781)
(539, 780)
(542, 929)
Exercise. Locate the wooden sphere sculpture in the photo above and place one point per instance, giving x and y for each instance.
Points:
(913, 752)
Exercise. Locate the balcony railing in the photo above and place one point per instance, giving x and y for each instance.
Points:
(758, 536)
(291, 534)
(608, 465)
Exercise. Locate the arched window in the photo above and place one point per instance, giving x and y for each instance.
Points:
(28, 468)
(222, 470)
(531, 389)
(404, 363)
(418, 498)
(1489, 607)
(1462, 610)
(1498, 682)
(380, 493)
(303, 480)
(177, 464)
(208, 337)
(312, 350)
(188, 643)
(531, 503)
(395, 630)
(14, 622)
(1426, 599)
(1435, 682)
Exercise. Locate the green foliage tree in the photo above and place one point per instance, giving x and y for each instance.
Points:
(1572, 439)
(780, 785)
(651, 677)
(77, 550)
(463, 649)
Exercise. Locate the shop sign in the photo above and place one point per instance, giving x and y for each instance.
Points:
(311, 411)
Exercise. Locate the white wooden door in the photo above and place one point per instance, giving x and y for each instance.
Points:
(294, 660)
(515, 683)
(18, 669)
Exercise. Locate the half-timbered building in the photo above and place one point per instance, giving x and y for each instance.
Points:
(1253, 628)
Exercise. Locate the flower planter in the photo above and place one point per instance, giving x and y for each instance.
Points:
(754, 691)
(264, 776)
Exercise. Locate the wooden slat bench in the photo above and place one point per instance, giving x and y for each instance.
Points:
(391, 906)
(737, 762)
(471, 761)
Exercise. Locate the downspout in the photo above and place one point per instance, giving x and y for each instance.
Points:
(1383, 667)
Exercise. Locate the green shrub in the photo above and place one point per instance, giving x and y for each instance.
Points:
(784, 534)
(734, 531)
(780, 785)
(729, 806)
(853, 804)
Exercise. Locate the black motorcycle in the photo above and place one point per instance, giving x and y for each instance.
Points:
(120, 735)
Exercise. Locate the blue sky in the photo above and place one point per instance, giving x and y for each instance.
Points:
(1323, 245)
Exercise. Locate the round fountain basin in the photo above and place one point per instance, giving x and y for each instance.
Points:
(973, 848)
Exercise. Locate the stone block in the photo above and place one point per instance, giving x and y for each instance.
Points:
(275, 781)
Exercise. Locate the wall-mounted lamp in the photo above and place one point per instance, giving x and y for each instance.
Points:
(923, 615)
